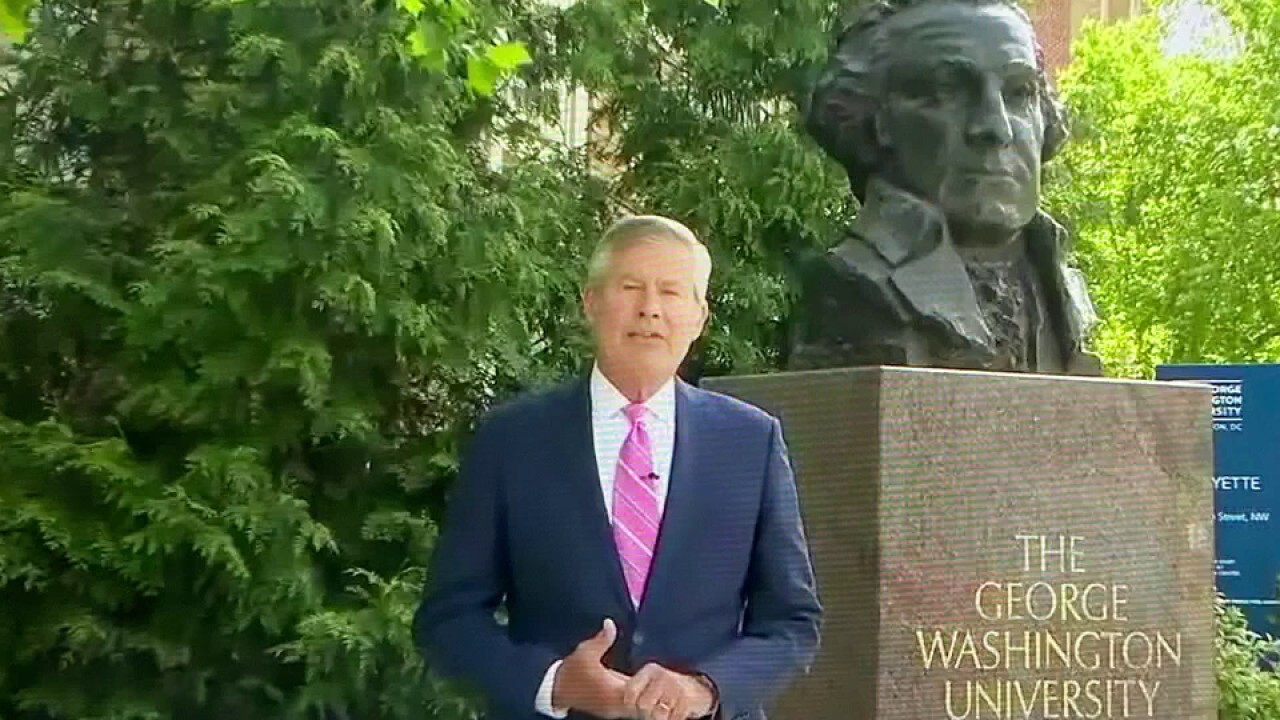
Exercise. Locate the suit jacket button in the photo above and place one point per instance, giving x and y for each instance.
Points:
(638, 638)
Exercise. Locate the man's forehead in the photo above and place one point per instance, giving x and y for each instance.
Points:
(649, 251)
(989, 35)
(653, 257)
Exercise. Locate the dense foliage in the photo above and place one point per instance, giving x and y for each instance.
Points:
(1173, 191)
(259, 273)
(700, 101)
(256, 280)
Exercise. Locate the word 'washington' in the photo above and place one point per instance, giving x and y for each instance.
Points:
(1044, 650)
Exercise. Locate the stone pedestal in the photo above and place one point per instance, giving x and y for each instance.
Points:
(994, 546)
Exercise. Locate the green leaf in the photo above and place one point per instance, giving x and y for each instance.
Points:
(509, 56)
(428, 42)
(413, 7)
(418, 43)
(458, 10)
(713, 3)
(482, 75)
(13, 18)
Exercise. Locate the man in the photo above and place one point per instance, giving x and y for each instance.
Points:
(941, 113)
(644, 536)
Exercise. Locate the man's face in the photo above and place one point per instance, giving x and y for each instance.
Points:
(646, 311)
(962, 117)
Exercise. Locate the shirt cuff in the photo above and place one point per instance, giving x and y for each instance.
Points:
(543, 702)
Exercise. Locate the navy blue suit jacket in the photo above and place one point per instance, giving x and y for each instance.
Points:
(731, 593)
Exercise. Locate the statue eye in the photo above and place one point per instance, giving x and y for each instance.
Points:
(936, 86)
(930, 89)
(946, 81)
(1023, 91)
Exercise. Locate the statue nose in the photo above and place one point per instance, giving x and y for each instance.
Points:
(989, 124)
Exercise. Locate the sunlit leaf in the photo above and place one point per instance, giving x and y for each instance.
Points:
(429, 41)
(457, 10)
(413, 7)
(418, 43)
(482, 75)
(509, 56)
(13, 18)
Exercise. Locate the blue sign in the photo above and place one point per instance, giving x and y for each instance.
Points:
(1246, 435)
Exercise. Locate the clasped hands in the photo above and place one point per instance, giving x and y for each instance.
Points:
(584, 684)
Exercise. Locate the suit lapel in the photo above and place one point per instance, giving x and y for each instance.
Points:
(1064, 287)
(1071, 311)
(586, 495)
(939, 288)
(911, 237)
(680, 513)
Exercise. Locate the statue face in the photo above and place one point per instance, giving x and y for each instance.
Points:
(961, 117)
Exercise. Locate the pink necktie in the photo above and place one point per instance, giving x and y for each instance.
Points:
(636, 513)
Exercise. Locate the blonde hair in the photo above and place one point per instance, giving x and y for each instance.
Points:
(635, 229)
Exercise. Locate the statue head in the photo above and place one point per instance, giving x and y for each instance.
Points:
(948, 100)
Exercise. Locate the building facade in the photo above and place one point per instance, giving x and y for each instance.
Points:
(1058, 23)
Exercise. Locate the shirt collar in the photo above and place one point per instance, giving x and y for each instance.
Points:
(607, 400)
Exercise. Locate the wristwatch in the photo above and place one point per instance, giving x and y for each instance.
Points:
(710, 685)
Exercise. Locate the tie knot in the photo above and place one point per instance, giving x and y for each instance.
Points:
(635, 412)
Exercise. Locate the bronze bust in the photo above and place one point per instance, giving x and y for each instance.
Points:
(942, 115)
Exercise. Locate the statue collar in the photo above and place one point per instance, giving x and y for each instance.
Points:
(911, 236)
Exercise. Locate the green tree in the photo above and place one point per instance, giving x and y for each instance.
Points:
(701, 102)
(257, 278)
(1173, 192)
